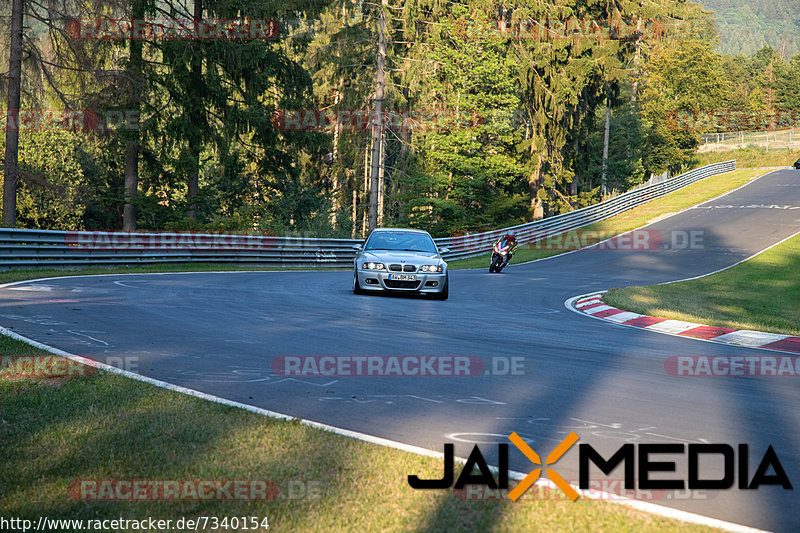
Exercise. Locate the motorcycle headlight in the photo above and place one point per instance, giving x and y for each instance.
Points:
(373, 266)
(431, 268)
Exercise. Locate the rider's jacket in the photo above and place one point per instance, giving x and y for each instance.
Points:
(512, 243)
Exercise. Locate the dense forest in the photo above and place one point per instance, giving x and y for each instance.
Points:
(746, 26)
(327, 118)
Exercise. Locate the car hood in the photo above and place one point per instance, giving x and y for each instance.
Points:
(391, 256)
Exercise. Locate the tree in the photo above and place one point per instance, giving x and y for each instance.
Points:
(12, 116)
(137, 87)
(685, 81)
(342, 60)
(377, 122)
(788, 85)
(467, 170)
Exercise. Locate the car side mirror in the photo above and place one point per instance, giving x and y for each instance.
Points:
(357, 247)
(444, 250)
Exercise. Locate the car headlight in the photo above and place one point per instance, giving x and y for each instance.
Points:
(373, 266)
(431, 268)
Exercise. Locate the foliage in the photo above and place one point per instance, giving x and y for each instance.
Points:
(486, 126)
(53, 191)
(746, 26)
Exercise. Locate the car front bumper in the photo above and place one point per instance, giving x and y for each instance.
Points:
(378, 280)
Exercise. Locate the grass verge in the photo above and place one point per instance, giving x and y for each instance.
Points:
(749, 157)
(633, 218)
(760, 294)
(104, 426)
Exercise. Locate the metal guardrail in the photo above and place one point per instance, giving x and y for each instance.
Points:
(476, 244)
(22, 248)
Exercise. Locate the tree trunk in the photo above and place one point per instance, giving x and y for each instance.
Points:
(573, 187)
(131, 185)
(377, 120)
(12, 117)
(366, 190)
(381, 171)
(605, 149)
(132, 143)
(355, 211)
(193, 186)
(405, 152)
(636, 54)
(534, 184)
(335, 202)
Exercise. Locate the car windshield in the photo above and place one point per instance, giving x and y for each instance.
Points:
(401, 241)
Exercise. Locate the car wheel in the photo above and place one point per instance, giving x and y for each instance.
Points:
(445, 292)
(356, 288)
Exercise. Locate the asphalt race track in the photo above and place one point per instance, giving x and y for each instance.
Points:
(218, 333)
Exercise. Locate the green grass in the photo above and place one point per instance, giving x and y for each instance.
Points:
(105, 426)
(633, 218)
(760, 294)
(749, 157)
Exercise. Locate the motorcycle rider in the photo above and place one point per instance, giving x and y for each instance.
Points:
(511, 240)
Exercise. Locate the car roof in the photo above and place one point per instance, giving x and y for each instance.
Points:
(408, 230)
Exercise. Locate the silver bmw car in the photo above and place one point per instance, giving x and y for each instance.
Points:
(406, 260)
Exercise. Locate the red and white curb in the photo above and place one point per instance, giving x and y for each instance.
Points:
(593, 305)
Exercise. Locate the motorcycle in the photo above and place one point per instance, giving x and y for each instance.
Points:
(499, 256)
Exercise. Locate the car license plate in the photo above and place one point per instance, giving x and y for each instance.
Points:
(403, 277)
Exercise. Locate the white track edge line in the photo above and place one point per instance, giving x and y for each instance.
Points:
(216, 399)
(736, 263)
(670, 215)
(659, 510)
(569, 302)
(35, 280)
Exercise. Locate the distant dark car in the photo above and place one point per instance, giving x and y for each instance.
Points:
(797, 164)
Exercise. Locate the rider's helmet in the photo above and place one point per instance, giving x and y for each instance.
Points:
(511, 235)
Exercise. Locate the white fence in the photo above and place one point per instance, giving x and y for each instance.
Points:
(769, 140)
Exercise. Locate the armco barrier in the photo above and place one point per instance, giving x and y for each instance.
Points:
(479, 243)
(21, 248)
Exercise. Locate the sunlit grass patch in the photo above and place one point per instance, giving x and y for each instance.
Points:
(760, 294)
